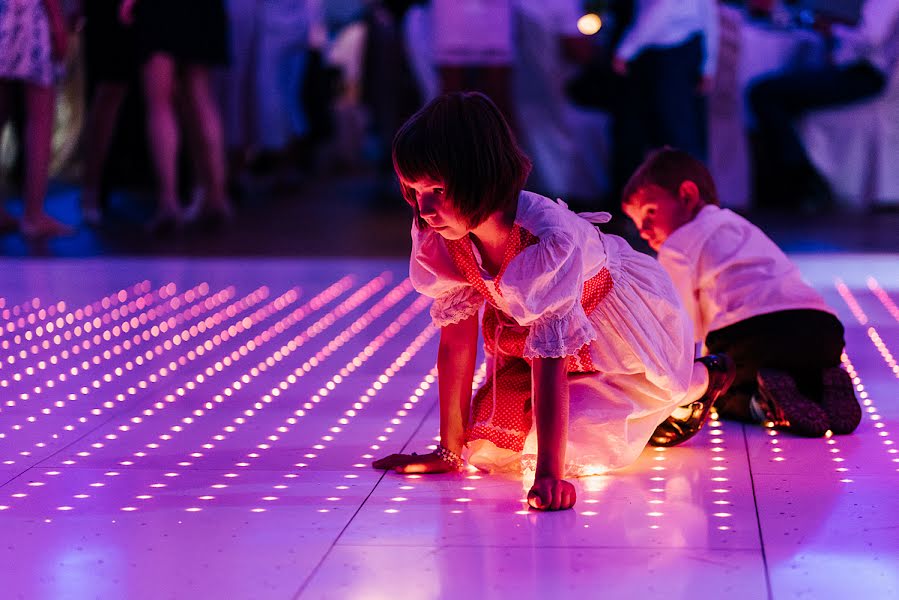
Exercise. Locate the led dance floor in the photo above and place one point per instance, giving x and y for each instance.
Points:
(203, 429)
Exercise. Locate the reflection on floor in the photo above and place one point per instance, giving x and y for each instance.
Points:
(202, 429)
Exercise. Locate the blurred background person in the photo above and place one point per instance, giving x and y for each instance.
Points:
(667, 59)
(178, 45)
(473, 48)
(291, 37)
(863, 58)
(111, 61)
(566, 144)
(33, 41)
(235, 88)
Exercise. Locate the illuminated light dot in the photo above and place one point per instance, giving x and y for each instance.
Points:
(654, 514)
(193, 509)
(463, 499)
(65, 508)
(129, 508)
(722, 515)
(157, 485)
(391, 511)
(144, 497)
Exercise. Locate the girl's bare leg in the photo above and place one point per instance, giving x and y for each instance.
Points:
(39, 106)
(162, 130)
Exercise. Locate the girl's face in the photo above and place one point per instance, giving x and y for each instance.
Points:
(657, 213)
(436, 209)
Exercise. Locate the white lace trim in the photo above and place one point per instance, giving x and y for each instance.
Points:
(455, 306)
(559, 336)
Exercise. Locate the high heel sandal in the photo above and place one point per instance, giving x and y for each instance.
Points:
(677, 430)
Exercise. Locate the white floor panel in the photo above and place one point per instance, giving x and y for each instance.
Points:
(827, 538)
(204, 429)
(496, 572)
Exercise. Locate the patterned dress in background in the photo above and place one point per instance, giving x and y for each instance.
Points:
(25, 48)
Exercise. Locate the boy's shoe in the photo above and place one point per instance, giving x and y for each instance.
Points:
(839, 402)
(677, 430)
(786, 408)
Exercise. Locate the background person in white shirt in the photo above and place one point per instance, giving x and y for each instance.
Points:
(667, 58)
(864, 58)
(746, 299)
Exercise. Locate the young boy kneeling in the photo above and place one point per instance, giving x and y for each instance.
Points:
(746, 299)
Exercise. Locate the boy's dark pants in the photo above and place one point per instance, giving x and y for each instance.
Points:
(800, 342)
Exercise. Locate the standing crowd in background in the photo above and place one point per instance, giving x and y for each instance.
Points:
(231, 92)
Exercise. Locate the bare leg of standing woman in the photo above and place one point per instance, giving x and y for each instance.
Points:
(101, 121)
(206, 117)
(39, 107)
(162, 131)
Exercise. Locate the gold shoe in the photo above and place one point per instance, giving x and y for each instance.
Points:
(677, 430)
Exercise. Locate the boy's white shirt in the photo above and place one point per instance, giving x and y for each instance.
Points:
(726, 270)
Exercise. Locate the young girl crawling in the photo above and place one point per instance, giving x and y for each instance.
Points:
(588, 348)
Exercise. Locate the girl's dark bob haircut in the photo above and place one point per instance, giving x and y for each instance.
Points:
(668, 168)
(462, 140)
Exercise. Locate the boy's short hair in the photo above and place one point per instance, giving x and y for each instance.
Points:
(668, 168)
(463, 140)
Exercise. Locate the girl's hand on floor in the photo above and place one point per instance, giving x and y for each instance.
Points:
(414, 463)
(549, 493)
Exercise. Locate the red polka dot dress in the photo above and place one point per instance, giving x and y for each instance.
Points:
(563, 290)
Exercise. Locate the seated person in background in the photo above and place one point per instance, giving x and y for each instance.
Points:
(864, 56)
(746, 299)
